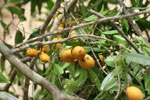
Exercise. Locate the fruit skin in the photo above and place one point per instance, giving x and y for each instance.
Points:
(72, 34)
(66, 56)
(133, 93)
(87, 62)
(32, 52)
(60, 28)
(78, 52)
(102, 58)
(44, 57)
(46, 48)
(58, 45)
(62, 22)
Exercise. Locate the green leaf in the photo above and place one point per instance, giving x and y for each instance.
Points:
(14, 1)
(34, 34)
(120, 40)
(94, 78)
(91, 18)
(19, 37)
(137, 58)
(2, 63)
(147, 82)
(50, 4)
(75, 85)
(125, 24)
(58, 69)
(110, 32)
(114, 61)
(3, 79)
(109, 81)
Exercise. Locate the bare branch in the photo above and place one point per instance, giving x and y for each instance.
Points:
(85, 24)
(50, 15)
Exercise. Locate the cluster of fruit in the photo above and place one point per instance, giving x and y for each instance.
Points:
(77, 52)
(44, 57)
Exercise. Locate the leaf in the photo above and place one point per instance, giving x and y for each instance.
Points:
(114, 61)
(58, 69)
(109, 81)
(75, 85)
(14, 1)
(94, 78)
(125, 24)
(147, 82)
(3, 79)
(120, 40)
(91, 18)
(2, 63)
(34, 34)
(19, 37)
(137, 58)
(50, 4)
(110, 32)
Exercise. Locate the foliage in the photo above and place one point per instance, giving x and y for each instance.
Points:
(122, 68)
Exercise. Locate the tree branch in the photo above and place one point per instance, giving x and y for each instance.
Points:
(85, 24)
(118, 29)
(94, 37)
(52, 89)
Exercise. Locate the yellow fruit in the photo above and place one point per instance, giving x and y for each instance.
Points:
(44, 57)
(66, 56)
(78, 52)
(71, 23)
(102, 58)
(87, 62)
(32, 52)
(58, 45)
(133, 93)
(46, 48)
(62, 22)
(60, 28)
(72, 34)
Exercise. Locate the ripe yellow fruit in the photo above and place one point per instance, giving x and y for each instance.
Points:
(133, 93)
(46, 48)
(62, 22)
(32, 52)
(87, 62)
(78, 52)
(72, 34)
(58, 45)
(44, 57)
(66, 56)
(60, 28)
(102, 58)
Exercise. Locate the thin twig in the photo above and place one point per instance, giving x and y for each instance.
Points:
(85, 24)
(92, 37)
(118, 29)
(131, 20)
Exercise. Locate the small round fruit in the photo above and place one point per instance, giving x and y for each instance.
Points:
(87, 62)
(58, 17)
(46, 48)
(78, 52)
(66, 56)
(60, 28)
(102, 58)
(32, 52)
(133, 93)
(44, 57)
(58, 45)
(72, 34)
